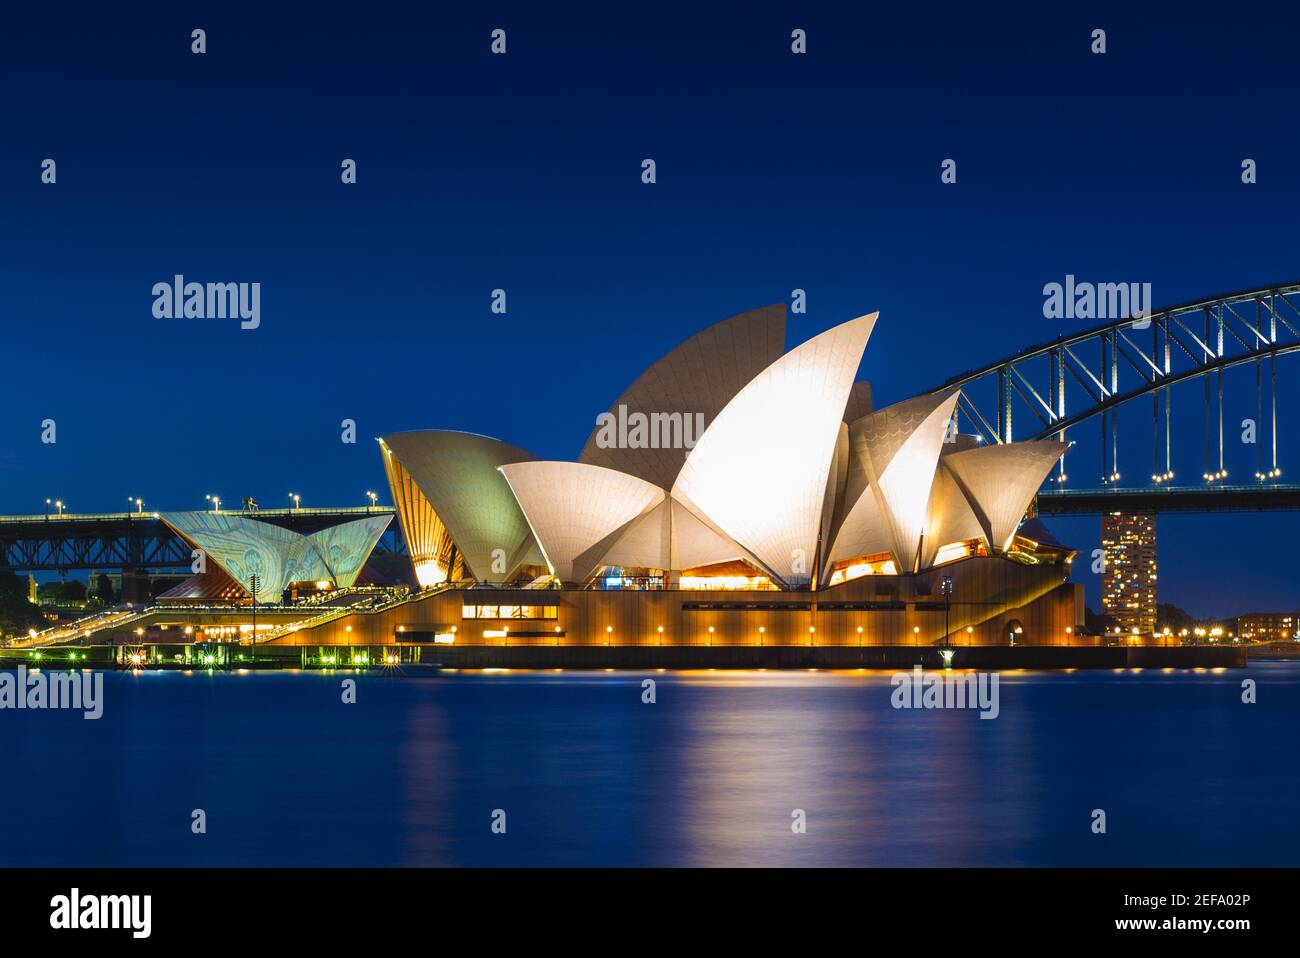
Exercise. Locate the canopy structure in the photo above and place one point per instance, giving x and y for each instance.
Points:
(264, 559)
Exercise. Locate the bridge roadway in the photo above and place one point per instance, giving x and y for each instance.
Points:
(1271, 497)
(140, 540)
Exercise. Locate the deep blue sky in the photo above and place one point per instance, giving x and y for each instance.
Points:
(522, 172)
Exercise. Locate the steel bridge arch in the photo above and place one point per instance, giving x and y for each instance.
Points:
(1255, 325)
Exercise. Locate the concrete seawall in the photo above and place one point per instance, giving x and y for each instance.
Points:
(832, 657)
(642, 657)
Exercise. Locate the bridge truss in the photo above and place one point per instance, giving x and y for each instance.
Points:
(133, 540)
(1125, 360)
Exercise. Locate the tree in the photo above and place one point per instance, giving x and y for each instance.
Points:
(1172, 617)
(71, 591)
(1098, 623)
(17, 614)
(104, 590)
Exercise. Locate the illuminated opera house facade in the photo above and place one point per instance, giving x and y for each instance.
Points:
(735, 494)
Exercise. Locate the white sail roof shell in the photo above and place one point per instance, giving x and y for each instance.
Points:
(672, 538)
(1000, 481)
(701, 375)
(893, 455)
(457, 473)
(577, 511)
(949, 518)
(759, 472)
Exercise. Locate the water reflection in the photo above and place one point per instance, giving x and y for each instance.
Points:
(710, 774)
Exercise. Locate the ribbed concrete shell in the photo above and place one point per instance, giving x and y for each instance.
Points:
(1000, 481)
(860, 402)
(672, 538)
(701, 375)
(577, 511)
(893, 454)
(760, 471)
(448, 492)
(949, 518)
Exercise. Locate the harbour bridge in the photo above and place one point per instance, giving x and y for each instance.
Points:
(1050, 390)
(65, 542)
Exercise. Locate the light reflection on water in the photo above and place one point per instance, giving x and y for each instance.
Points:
(709, 775)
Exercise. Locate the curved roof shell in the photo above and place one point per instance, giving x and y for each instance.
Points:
(893, 453)
(672, 538)
(1000, 482)
(700, 376)
(578, 511)
(760, 471)
(949, 517)
(860, 402)
(447, 489)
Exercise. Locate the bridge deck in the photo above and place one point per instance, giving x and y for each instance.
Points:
(1083, 502)
(118, 540)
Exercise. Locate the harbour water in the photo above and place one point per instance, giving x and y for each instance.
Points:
(711, 773)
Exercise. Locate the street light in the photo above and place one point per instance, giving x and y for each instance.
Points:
(59, 505)
(139, 503)
(945, 586)
(373, 498)
(297, 500)
(216, 502)
(255, 581)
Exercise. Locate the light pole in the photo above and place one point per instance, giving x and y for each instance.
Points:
(216, 502)
(58, 503)
(373, 499)
(254, 580)
(47, 510)
(297, 500)
(945, 586)
(139, 503)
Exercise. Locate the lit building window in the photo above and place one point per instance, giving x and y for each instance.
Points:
(509, 612)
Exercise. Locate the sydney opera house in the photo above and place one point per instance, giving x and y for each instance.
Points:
(736, 494)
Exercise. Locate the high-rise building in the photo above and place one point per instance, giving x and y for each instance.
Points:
(1128, 582)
